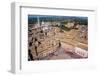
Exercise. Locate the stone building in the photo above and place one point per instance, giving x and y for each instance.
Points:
(42, 41)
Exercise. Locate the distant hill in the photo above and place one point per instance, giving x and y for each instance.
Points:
(33, 18)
